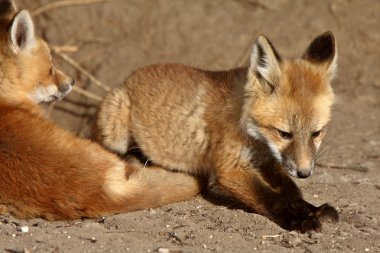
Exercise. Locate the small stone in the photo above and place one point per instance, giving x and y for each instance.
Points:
(23, 229)
(163, 250)
(366, 249)
(152, 211)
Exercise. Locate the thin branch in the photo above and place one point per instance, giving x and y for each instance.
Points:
(86, 93)
(246, 53)
(77, 66)
(334, 14)
(271, 236)
(253, 3)
(64, 3)
(65, 49)
(50, 109)
(359, 168)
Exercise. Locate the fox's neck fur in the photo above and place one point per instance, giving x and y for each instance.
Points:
(16, 99)
(229, 95)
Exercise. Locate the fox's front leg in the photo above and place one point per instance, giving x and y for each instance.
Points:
(278, 199)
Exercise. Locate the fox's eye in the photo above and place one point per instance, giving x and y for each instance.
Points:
(316, 134)
(51, 71)
(285, 135)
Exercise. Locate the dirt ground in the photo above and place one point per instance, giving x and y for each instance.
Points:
(115, 38)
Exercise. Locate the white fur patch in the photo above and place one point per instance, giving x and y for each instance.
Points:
(22, 27)
(333, 68)
(119, 146)
(265, 72)
(271, 71)
(45, 93)
(117, 184)
(253, 130)
(293, 173)
(246, 154)
(276, 153)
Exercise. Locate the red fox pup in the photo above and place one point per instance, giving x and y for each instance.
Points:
(246, 130)
(48, 172)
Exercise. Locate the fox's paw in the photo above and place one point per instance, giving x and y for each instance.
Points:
(305, 224)
(312, 222)
(326, 212)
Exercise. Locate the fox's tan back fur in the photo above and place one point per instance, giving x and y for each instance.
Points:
(232, 126)
(172, 111)
(46, 171)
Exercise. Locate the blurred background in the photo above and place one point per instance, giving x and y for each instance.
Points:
(112, 38)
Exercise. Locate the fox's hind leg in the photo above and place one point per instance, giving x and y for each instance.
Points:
(112, 123)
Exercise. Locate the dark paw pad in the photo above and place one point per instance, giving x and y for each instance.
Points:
(327, 213)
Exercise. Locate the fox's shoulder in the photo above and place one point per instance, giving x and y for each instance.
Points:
(166, 71)
(183, 76)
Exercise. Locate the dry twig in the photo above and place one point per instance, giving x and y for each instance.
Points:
(64, 3)
(50, 108)
(246, 53)
(77, 66)
(253, 3)
(86, 93)
(359, 168)
(334, 14)
(271, 236)
(65, 49)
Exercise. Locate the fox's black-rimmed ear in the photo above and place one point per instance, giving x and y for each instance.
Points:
(7, 7)
(265, 62)
(22, 37)
(322, 50)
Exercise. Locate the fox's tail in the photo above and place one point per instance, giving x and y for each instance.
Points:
(122, 188)
(153, 186)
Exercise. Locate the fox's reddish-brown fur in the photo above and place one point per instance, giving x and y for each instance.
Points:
(245, 129)
(48, 172)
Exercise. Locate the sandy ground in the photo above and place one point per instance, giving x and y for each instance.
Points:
(118, 37)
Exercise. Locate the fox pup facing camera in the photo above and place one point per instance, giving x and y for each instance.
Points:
(46, 171)
(246, 130)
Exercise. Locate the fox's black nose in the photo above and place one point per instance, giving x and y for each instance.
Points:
(72, 82)
(303, 173)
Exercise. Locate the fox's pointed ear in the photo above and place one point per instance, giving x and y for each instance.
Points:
(22, 36)
(265, 62)
(323, 51)
(7, 7)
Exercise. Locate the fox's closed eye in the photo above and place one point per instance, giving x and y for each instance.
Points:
(285, 135)
(316, 134)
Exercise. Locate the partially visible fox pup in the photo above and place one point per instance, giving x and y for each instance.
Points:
(44, 170)
(246, 129)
